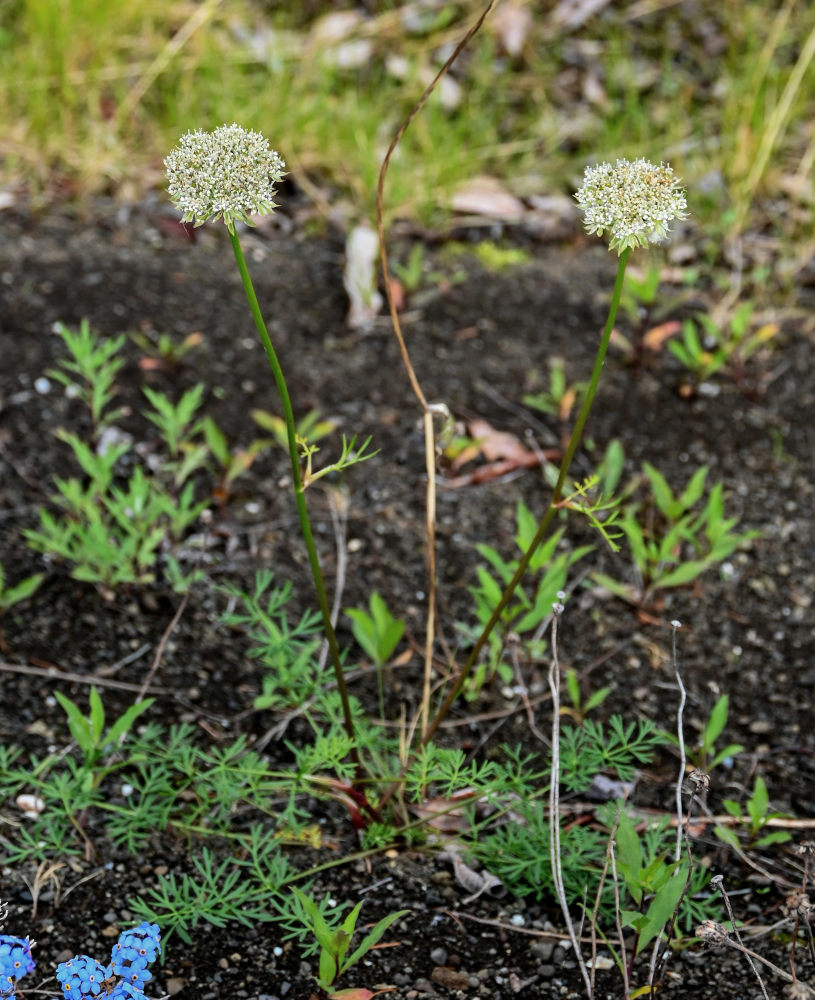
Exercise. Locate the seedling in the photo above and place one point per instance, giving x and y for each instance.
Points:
(9, 596)
(90, 372)
(670, 545)
(718, 347)
(704, 756)
(560, 398)
(527, 611)
(580, 708)
(163, 351)
(335, 942)
(654, 881)
(231, 464)
(91, 737)
(378, 632)
(758, 815)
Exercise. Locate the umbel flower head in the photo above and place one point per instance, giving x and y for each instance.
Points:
(635, 201)
(230, 173)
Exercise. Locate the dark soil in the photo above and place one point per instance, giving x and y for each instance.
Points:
(476, 346)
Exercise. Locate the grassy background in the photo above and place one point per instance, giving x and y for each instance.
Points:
(94, 92)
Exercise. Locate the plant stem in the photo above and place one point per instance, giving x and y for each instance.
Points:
(546, 520)
(299, 493)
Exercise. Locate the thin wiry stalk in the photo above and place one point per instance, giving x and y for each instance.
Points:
(680, 737)
(718, 881)
(618, 914)
(554, 802)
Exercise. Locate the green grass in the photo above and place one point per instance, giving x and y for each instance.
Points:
(93, 93)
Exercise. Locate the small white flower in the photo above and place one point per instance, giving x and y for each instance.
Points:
(635, 201)
(230, 172)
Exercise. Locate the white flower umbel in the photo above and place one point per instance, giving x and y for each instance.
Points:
(635, 201)
(230, 173)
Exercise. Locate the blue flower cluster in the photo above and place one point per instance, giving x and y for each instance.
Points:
(84, 977)
(15, 961)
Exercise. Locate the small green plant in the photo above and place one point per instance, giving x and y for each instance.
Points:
(177, 424)
(111, 535)
(378, 632)
(163, 351)
(654, 880)
(90, 372)
(289, 651)
(758, 815)
(528, 610)
(704, 756)
(335, 943)
(716, 347)
(640, 294)
(309, 429)
(581, 707)
(93, 739)
(410, 274)
(671, 543)
(9, 596)
(113, 530)
(307, 432)
(560, 398)
(232, 464)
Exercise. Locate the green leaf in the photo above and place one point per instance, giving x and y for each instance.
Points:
(597, 698)
(663, 496)
(573, 687)
(776, 837)
(23, 590)
(319, 925)
(683, 574)
(727, 836)
(716, 722)
(125, 721)
(373, 937)
(80, 726)
(216, 441)
(629, 855)
(695, 488)
(97, 716)
(621, 590)
(758, 802)
(612, 465)
(329, 969)
(349, 925)
(364, 632)
(662, 907)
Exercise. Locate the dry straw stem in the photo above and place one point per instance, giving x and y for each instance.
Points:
(429, 433)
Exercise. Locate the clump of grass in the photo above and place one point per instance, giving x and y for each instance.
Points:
(93, 93)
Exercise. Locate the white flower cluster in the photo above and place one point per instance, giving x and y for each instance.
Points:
(635, 201)
(230, 172)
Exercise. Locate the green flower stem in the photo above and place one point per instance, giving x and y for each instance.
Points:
(299, 495)
(548, 516)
